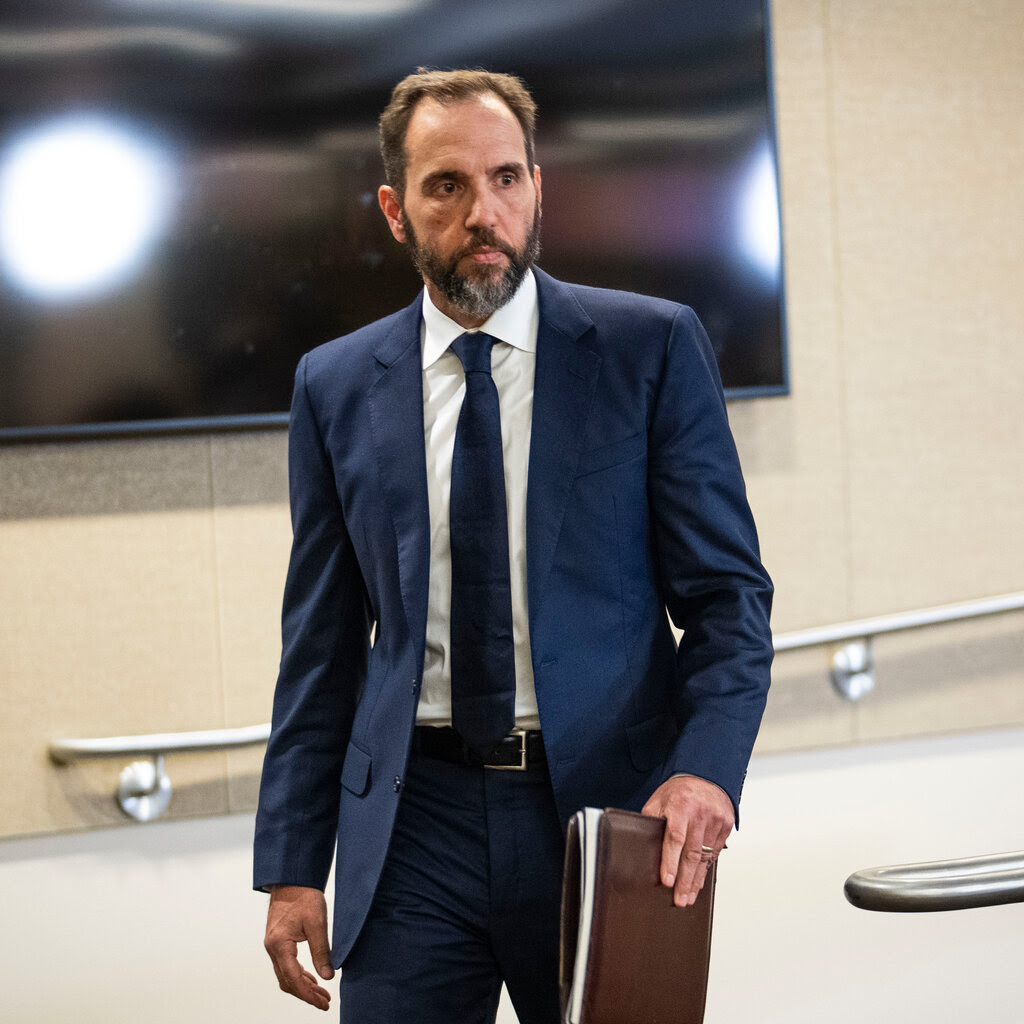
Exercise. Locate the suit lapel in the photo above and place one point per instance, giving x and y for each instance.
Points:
(396, 416)
(564, 383)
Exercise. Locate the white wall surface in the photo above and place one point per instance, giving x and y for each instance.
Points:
(156, 924)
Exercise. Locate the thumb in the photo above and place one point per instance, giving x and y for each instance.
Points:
(320, 951)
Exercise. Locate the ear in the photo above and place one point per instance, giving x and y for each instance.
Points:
(536, 180)
(392, 210)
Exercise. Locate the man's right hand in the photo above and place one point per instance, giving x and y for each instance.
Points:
(298, 914)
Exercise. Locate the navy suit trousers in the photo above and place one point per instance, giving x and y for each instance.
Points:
(469, 898)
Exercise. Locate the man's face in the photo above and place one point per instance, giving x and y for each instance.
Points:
(471, 213)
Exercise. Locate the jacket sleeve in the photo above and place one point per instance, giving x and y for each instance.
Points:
(709, 567)
(325, 639)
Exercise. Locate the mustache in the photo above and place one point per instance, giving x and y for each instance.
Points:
(483, 238)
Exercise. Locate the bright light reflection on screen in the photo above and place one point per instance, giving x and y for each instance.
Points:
(759, 216)
(82, 201)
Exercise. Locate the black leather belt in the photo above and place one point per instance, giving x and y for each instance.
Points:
(519, 750)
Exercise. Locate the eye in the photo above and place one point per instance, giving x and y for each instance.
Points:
(446, 188)
(507, 178)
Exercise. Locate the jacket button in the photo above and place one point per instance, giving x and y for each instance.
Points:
(398, 783)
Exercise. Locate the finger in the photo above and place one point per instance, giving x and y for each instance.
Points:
(303, 985)
(292, 978)
(671, 854)
(689, 897)
(320, 951)
(692, 869)
(283, 955)
(313, 993)
(722, 838)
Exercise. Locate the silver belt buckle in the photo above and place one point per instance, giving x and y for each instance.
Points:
(521, 767)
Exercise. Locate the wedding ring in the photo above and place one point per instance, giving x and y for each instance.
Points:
(707, 853)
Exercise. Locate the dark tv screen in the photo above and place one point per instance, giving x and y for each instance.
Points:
(188, 187)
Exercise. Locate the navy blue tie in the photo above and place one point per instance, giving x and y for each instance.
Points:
(483, 664)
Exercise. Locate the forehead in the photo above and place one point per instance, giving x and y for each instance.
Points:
(478, 131)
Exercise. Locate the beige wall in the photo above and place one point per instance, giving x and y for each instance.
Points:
(141, 579)
(891, 479)
(140, 593)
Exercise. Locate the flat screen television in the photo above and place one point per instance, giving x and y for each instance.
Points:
(188, 187)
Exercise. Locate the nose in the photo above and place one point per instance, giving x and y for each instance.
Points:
(482, 210)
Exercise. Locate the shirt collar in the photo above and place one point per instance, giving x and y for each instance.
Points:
(515, 323)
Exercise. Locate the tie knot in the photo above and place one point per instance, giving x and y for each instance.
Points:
(474, 351)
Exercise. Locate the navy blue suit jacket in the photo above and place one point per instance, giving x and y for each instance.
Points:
(635, 505)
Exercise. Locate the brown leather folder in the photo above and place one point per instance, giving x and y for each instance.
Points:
(642, 960)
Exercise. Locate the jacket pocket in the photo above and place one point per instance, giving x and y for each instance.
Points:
(610, 455)
(355, 772)
(650, 740)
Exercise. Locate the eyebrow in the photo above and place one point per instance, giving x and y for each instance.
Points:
(513, 167)
(437, 176)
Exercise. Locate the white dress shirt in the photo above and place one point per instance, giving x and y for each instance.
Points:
(513, 361)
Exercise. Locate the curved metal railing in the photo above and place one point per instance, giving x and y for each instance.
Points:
(963, 884)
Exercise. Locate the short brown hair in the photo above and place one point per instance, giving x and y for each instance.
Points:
(447, 87)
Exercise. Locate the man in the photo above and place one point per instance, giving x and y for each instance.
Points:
(620, 496)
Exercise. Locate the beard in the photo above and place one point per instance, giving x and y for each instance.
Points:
(478, 295)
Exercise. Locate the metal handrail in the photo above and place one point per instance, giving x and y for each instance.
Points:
(144, 791)
(964, 884)
(858, 629)
(853, 665)
(155, 744)
(145, 788)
